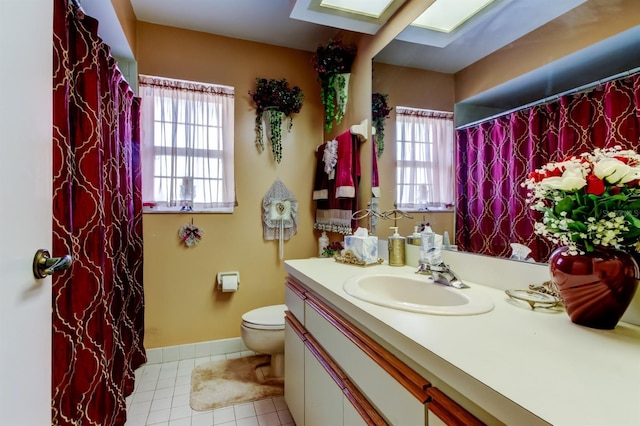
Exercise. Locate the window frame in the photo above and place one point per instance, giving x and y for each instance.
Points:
(421, 138)
(183, 151)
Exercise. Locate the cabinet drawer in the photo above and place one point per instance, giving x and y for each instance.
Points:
(398, 393)
(294, 299)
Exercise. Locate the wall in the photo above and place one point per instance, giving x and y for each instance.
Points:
(581, 27)
(432, 90)
(182, 305)
(128, 22)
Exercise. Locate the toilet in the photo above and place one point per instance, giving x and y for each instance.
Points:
(263, 332)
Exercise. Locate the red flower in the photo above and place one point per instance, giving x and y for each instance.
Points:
(615, 190)
(595, 185)
(556, 172)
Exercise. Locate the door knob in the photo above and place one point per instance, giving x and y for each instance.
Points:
(44, 264)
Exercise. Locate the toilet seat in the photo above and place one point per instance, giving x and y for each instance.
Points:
(265, 318)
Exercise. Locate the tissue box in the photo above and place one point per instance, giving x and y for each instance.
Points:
(364, 248)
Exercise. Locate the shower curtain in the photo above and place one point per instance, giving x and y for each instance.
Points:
(495, 157)
(98, 304)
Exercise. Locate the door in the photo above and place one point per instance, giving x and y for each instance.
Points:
(25, 210)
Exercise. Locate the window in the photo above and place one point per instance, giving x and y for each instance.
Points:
(187, 146)
(424, 155)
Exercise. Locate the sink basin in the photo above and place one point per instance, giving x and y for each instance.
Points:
(417, 294)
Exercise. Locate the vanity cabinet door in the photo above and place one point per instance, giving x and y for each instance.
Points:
(442, 410)
(294, 368)
(351, 416)
(324, 399)
(397, 392)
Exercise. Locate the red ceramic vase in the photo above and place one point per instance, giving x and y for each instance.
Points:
(596, 288)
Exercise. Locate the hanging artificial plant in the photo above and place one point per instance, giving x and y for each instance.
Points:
(380, 111)
(276, 100)
(332, 63)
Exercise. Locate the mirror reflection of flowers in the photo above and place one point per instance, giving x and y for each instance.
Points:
(589, 200)
(332, 62)
(380, 111)
(281, 101)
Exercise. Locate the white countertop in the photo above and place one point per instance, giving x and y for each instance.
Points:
(549, 369)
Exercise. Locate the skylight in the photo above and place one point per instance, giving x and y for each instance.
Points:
(373, 8)
(447, 15)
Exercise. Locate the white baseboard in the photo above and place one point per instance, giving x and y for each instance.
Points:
(195, 350)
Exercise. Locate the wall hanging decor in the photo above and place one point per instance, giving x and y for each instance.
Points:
(380, 111)
(332, 63)
(275, 100)
(279, 215)
(190, 234)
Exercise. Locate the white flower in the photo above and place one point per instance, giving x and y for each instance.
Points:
(569, 181)
(614, 171)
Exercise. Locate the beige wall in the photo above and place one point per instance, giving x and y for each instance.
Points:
(432, 90)
(182, 305)
(128, 22)
(589, 23)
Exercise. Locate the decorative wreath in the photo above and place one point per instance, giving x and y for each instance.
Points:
(190, 234)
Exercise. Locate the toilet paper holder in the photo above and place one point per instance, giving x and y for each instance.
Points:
(228, 273)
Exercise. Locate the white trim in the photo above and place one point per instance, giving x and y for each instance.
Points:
(195, 350)
(345, 192)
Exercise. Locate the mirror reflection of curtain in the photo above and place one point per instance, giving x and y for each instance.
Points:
(98, 304)
(496, 156)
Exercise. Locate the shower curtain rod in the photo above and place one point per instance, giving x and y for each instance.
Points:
(582, 88)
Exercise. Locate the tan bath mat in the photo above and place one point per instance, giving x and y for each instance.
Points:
(223, 383)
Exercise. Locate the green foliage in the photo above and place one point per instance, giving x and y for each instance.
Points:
(331, 62)
(275, 95)
(380, 111)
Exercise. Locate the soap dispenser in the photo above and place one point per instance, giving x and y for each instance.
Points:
(396, 248)
(323, 243)
(416, 238)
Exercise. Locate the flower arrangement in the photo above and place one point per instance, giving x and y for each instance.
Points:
(332, 249)
(280, 101)
(332, 62)
(380, 111)
(589, 200)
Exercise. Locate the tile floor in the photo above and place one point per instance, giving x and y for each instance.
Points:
(161, 397)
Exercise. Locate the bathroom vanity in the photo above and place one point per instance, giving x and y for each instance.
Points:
(354, 362)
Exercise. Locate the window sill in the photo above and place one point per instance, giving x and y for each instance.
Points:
(176, 210)
(429, 210)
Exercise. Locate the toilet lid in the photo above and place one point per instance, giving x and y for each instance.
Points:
(268, 317)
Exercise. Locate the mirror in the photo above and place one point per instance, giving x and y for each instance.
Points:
(568, 52)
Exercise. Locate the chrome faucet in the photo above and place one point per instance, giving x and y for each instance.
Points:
(441, 273)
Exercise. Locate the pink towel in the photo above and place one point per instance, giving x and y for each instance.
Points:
(375, 180)
(345, 183)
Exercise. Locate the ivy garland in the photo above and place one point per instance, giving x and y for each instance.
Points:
(275, 96)
(275, 118)
(380, 111)
(331, 62)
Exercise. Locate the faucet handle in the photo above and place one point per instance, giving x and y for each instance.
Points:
(423, 268)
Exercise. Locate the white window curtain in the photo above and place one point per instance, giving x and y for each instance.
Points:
(187, 145)
(424, 155)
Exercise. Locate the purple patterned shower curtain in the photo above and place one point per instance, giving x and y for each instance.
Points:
(98, 304)
(495, 157)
